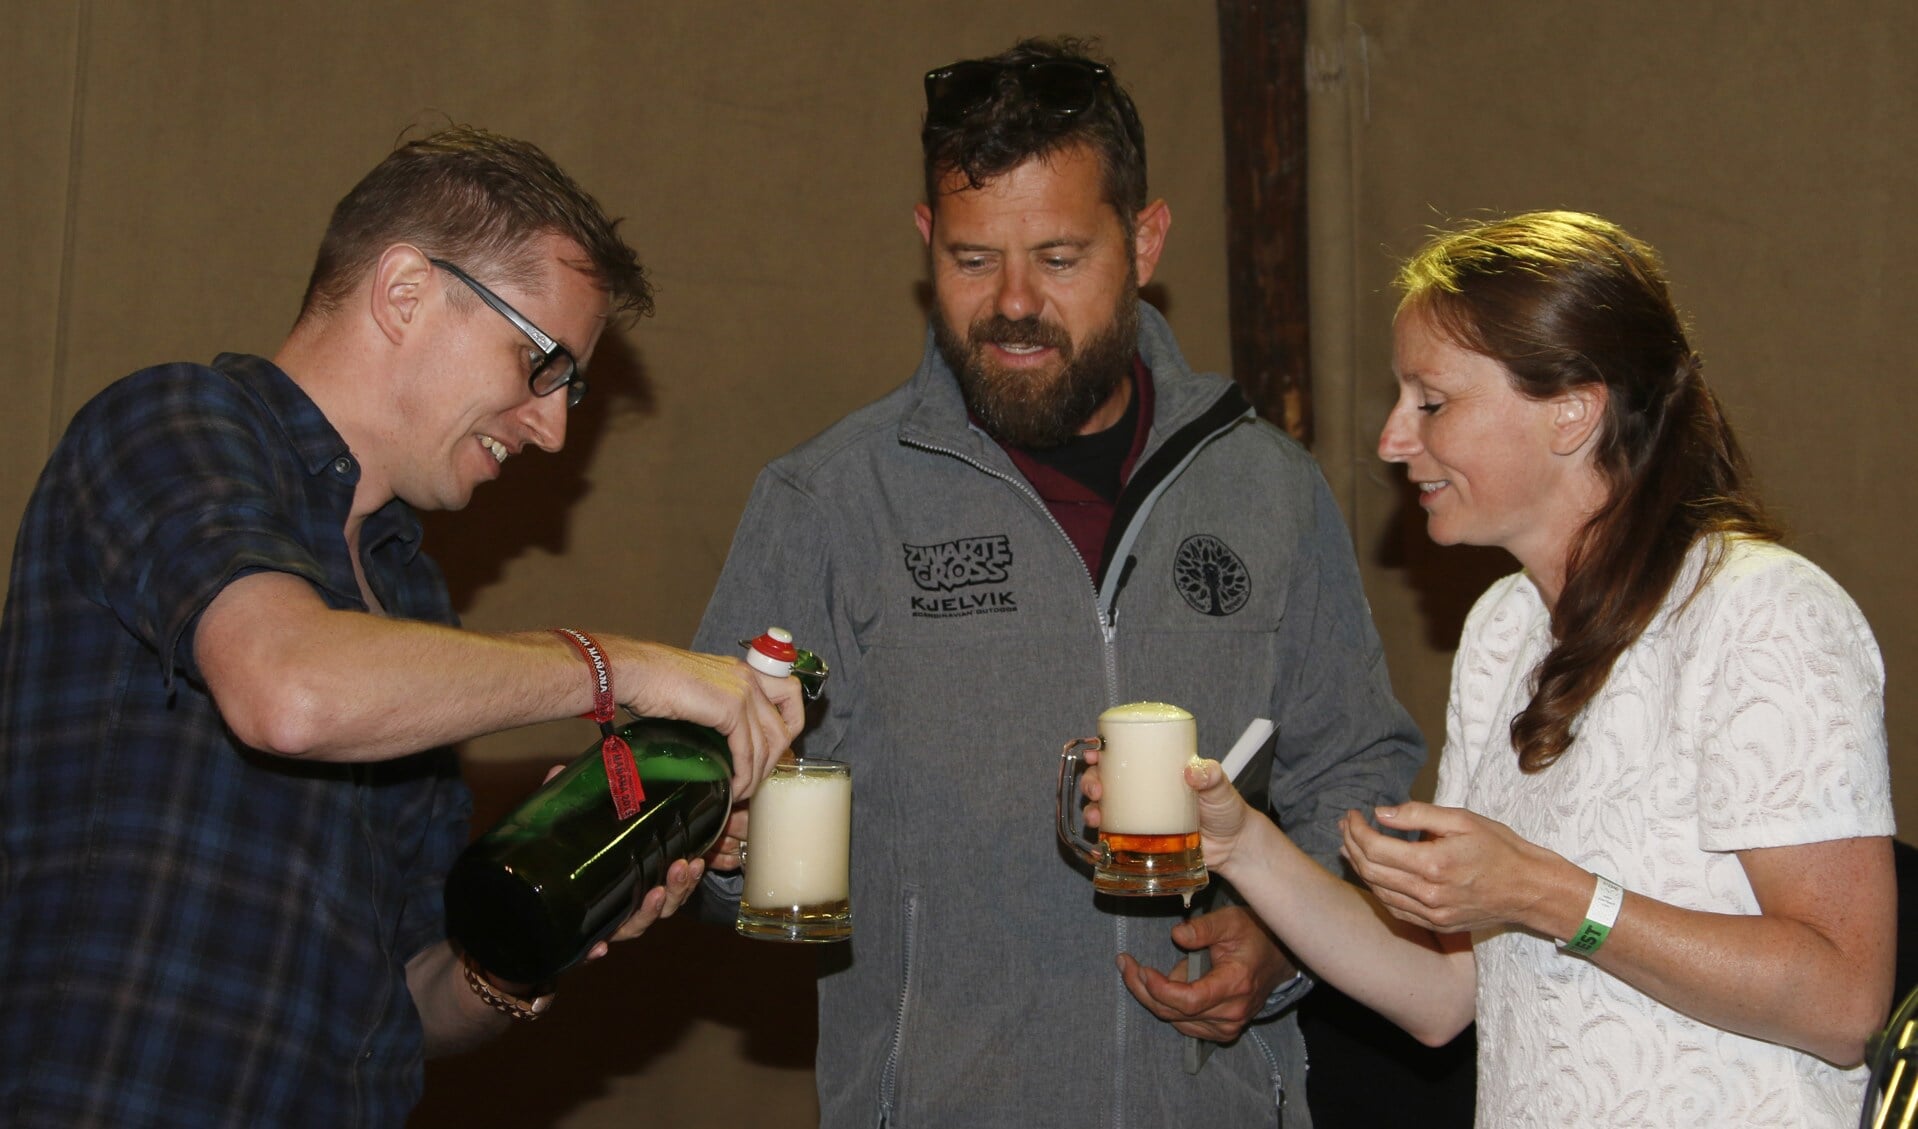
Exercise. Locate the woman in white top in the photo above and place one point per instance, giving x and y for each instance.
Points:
(1665, 741)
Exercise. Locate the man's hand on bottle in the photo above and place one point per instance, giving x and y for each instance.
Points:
(759, 716)
(682, 878)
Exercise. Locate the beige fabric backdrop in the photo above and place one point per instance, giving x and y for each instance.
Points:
(168, 168)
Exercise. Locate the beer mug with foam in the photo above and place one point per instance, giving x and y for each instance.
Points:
(797, 854)
(1149, 817)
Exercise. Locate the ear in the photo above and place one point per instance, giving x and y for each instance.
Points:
(1148, 238)
(1576, 415)
(396, 289)
(922, 215)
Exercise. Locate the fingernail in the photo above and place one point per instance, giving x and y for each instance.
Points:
(1386, 813)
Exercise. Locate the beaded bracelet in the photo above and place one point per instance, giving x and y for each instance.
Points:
(501, 1001)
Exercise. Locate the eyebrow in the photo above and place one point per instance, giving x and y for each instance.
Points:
(526, 339)
(579, 362)
(1077, 244)
(571, 351)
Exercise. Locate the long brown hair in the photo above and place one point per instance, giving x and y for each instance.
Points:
(1563, 299)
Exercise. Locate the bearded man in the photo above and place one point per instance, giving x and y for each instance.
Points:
(1055, 515)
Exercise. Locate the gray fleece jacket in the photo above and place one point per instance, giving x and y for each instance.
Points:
(967, 643)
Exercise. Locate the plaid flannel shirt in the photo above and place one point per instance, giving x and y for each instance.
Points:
(194, 933)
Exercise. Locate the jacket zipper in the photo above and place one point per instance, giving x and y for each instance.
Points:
(888, 1076)
(1272, 1067)
(1106, 611)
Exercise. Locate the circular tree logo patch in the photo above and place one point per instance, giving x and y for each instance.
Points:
(1210, 576)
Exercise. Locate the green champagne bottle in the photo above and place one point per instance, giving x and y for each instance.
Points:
(529, 898)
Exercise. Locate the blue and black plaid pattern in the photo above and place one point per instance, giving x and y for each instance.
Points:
(193, 933)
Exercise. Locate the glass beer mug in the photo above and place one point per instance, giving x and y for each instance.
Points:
(798, 853)
(1149, 817)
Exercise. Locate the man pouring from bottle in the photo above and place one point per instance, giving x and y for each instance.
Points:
(228, 674)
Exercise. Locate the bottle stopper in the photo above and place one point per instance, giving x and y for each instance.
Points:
(772, 653)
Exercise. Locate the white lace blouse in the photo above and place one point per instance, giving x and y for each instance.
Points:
(1751, 717)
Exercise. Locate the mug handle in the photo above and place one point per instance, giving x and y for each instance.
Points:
(1071, 820)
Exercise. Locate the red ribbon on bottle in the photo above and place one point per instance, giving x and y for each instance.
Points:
(622, 773)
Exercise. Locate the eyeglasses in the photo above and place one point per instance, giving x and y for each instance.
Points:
(556, 368)
(1058, 86)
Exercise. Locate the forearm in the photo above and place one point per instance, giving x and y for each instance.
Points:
(1795, 982)
(298, 679)
(1423, 983)
(454, 1018)
(367, 689)
(1776, 980)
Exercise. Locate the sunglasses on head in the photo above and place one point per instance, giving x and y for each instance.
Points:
(1057, 86)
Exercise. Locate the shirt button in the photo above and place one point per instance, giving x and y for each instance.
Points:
(342, 465)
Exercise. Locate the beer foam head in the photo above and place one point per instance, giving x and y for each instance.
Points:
(1145, 711)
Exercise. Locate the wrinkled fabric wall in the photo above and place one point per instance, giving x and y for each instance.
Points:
(168, 169)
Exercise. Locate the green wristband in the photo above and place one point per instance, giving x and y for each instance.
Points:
(1599, 917)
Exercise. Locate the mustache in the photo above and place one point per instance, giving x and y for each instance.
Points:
(999, 329)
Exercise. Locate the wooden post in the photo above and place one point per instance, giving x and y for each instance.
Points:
(1262, 74)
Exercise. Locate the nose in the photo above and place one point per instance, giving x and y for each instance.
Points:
(1399, 440)
(1017, 299)
(545, 420)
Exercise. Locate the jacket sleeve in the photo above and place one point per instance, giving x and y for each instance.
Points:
(1344, 740)
(778, 573)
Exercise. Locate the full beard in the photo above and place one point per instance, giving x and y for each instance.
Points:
(1035, 410)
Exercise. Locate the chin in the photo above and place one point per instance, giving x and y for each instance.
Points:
(456, 497)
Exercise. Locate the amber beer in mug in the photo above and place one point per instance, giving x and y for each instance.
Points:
(1149, 817)
(798, 854)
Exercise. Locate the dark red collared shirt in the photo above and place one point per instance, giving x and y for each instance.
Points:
(1080, 482)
